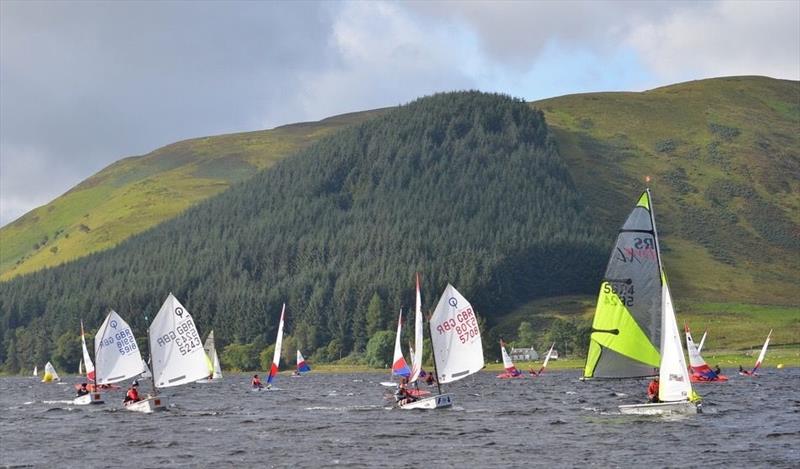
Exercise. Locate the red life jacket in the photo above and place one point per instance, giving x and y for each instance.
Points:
(652, 388)
(133, 394)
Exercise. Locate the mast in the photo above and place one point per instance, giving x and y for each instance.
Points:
(150, 351)
(433, 354)
(655, 233)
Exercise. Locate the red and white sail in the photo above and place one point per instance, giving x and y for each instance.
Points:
(87, 360)
(697, 365)
(399, 365)
(276, 356)
(508, 364)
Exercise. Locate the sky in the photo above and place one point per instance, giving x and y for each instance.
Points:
(84, 84)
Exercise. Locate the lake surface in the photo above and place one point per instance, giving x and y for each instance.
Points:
(345, 419)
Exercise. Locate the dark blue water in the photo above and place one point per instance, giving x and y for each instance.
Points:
(345, 419)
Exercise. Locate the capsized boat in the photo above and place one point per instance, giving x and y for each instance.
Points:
(212, 360)
(701, 372)
(457, 347)
(50, 374)
(508, 364)
(176, 353)
(640, 246)
(760, 358)
(546, 361)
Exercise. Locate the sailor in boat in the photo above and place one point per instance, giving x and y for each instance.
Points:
(652, 391)
(82, 391)
(717, 370)
(133, 394)
(402, 396)
(256, 382)
(533, 372)
(430, 380)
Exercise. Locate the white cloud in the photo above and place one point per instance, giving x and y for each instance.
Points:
(723, 38)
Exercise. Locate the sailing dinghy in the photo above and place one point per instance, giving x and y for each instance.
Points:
(546, 361)
(50, 374)
(416, 349)
(35, 371)
(302, 366)
(176, 353)
(399, 365)
(701, 372)
(93, 397)
(511, 370)
(637, 244)
(116, 352)
(457, 347)
(760, 358)
(212, 360)
(276, 356)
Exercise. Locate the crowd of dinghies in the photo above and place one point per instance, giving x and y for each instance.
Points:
(626, 341)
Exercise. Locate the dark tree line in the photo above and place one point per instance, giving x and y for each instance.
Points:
(466, 188)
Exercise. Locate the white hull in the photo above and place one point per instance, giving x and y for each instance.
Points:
(438, 401)
(149, 405)
(88, 399)
(389, 384)
(660, 408)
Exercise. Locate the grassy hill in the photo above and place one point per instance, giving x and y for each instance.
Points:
(139, 192)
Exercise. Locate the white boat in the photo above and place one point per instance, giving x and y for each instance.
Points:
(457, 347)
(148, 405)
(116, 352)
(701, 372)
(176, 351)
(675, 390)
(760, 358)
(212, 360)
(276, 356)
(508, 364)
(50, 374)
(35, 371)
(93, 397)
(302, 366)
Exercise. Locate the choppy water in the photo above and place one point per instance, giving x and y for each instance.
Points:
(344, 419)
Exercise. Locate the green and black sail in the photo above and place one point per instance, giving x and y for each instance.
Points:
(627, 322)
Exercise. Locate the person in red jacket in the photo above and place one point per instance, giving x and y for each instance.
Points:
(256, 382)
(652, 390)
(132, 394)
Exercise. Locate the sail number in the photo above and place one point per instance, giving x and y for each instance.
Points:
(464, 324)
(184, 336)
(124, 340)
(623, 291)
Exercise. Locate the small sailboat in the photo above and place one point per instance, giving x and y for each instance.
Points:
(399, 364)
(511, 370)
(92, 397)
(176, 352)
(760, 358)
(546, 361)
(701, 372)
(276, 356)
(35, 371)
(50, 374)
(702, 341)
(457, 347)
(302, 366)
(675, 393)
(416, 349)
(212, 360)
(116, 352)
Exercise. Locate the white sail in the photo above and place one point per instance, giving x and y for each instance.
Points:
(87, 360)
(416, 354)
(35, 370)
(702, 341)
(547, 357)
(146, 373)
(80, 367)
(456, 337)
(211, 355)
(50, 373)
(507, 363)
(276, 356)
(177, 351)
(217, 368)
(399, 365)
(673, 376)
(763, 352)
(115, 349)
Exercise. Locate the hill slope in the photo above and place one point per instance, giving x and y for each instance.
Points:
(467, 188)
(137, 193)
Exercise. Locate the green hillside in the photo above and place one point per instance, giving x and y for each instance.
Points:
(724, 155)
(139, 192)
